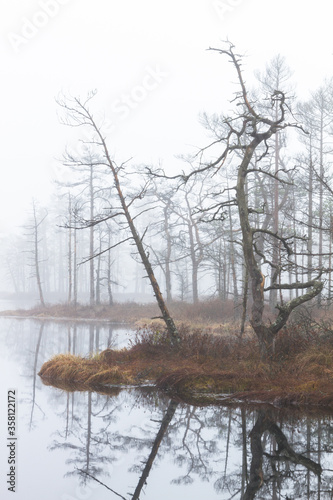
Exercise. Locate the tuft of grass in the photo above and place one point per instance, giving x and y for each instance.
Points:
(316, 361)
(114, 374)
(68, 367)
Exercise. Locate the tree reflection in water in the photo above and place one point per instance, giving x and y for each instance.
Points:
(238, 453)
(283, 453)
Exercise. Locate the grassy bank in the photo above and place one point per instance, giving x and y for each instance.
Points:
(208, 368)
(213, 315)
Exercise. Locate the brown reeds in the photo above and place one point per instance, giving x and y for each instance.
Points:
(207, 366)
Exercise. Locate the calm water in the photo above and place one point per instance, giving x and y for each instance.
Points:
(141, 444)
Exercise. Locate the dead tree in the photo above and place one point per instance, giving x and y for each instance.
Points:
(243, 139)
(78, 114)
(34, 233)
(247, 133)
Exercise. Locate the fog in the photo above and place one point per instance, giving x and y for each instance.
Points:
(154, 76)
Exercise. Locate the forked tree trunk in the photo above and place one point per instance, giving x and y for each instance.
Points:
(266, 334)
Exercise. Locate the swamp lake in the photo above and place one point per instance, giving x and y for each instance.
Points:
(137, 442)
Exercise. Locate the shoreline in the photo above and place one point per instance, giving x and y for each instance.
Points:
(213, 366)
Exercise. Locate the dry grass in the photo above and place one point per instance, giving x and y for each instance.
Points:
(206, 366)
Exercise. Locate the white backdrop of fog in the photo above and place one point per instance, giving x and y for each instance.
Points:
(149, 63)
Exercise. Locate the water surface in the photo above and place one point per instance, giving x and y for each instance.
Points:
(141, 444)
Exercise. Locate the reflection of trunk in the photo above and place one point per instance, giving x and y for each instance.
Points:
(244, 451)
(88, 433)
(256, 474)
(69, 338)
(91, 339)
(110, 340)
(74, 338)
(41, 328)
(284, 452)
(97, 339)
(162, 430)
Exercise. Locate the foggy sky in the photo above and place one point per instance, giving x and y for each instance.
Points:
(149, 63)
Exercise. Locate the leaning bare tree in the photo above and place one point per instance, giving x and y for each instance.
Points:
(78, 114)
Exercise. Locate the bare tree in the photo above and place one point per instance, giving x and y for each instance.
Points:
(245, 138)
(78, 114)
(34, 232)
(275, 77)
(317, 115)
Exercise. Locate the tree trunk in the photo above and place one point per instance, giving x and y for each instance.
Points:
(275, 243)
(170, 325)
(36, 256)
(168, 254)
(91, 241)
(75, 276)
(265, 334)
(108, 271)
(70, 270)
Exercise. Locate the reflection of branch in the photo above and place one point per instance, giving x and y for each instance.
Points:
(289, 453)
(284, 453)
(41, 328)
(100, 482)
(162, 430)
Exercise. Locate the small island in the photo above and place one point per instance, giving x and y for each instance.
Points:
(213, 364)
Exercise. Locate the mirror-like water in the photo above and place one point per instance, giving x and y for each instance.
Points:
(141, 444)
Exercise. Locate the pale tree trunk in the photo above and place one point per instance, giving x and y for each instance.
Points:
(232, 258)
(75, 273)
(196, 250)
(321, 192)
(36, 254)
(70, 270)
(168, 253)
(310, 216)
(275, 244)
(108, 270)
(91, 240)
(98, 274)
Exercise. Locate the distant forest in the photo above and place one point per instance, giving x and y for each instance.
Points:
(80, 247)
